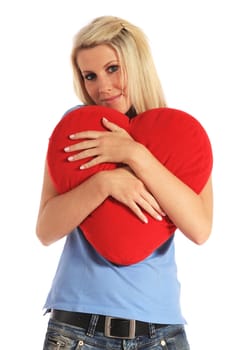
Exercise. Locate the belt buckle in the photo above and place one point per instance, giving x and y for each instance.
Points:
(131, 328)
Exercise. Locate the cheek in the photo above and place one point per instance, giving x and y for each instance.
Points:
(91, 90)
(127, 97)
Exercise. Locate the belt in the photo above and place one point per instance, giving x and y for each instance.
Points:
(112, 327)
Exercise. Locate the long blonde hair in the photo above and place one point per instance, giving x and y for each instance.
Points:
(134, 53)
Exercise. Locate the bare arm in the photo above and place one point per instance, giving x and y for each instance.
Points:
(190, 212)
(59, 214)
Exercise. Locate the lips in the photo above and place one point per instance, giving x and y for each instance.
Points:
(110, 99)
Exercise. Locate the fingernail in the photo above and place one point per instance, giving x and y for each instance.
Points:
(70, 158)
(72, 136)
(106, 120)
(66, 149)
(82, 167)
(145, 220)
(159, 218)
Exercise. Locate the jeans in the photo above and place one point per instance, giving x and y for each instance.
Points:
(61, 336)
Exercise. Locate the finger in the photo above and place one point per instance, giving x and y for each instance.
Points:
(115, 128)
(152, 201)
(149, 209)
(110, 126)
(91, 163)
(82, 146)
(138, 212)
(92, 152)
(88, 134)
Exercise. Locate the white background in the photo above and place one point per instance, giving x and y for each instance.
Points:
(199, 52)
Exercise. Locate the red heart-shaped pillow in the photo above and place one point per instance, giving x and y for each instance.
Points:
(174, 137)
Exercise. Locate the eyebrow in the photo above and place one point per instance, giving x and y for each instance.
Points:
(106, 65)
(110, 62)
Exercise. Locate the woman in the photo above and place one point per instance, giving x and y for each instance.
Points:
(92, 301)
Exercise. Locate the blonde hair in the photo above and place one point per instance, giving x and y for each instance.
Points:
(134, 53)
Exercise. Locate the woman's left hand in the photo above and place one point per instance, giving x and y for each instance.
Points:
(110, 146)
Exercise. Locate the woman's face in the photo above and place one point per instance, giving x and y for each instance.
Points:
(104, 78)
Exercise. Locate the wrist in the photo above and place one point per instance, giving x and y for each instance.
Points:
(136, 155)
(103, 182)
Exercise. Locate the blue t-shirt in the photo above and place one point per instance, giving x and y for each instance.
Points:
(86, 282)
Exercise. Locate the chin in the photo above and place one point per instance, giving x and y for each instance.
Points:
(119, 105)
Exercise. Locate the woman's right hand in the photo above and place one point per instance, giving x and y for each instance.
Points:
(125, 187)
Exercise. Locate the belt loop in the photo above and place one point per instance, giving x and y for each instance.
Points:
(152, 330)
(92, 325)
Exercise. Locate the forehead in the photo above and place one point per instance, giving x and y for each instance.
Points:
(97, 56)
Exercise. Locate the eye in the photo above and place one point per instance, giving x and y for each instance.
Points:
(113, 68)
(90, 76)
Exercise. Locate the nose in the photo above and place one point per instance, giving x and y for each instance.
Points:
(104, 84)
